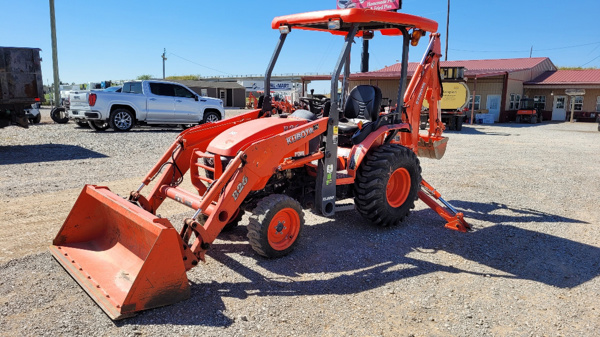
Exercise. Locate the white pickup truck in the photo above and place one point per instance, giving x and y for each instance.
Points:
(143, 102)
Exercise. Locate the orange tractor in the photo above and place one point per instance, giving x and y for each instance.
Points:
(273, 165)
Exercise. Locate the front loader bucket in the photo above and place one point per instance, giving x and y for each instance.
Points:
(432, 147)
(124, 257)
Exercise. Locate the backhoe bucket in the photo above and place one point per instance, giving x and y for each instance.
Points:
(432, 147)
(124, 257)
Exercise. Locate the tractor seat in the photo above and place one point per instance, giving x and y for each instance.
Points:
(363, 104)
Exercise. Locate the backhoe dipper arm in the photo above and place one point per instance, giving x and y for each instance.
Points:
(425, 84)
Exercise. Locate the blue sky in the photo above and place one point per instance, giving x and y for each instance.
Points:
(112, 40)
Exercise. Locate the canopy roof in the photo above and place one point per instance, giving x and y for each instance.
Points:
(388, 23)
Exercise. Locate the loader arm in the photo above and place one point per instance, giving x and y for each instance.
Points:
(246, 173)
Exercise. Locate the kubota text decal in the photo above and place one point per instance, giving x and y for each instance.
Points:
(297, 136)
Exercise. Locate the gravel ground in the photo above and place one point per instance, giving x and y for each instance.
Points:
(529, 268)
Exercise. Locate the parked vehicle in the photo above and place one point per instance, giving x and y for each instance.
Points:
(20, 84)
(454, 103)
(145, 103)
(528, 112)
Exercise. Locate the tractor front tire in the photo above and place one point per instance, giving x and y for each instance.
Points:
(387, 184)
(275, 225)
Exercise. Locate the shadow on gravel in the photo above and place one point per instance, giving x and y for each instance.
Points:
(346, 256)
(481, 211)
(23, 154)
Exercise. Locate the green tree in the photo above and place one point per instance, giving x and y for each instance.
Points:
(145, 77)
(183, 77)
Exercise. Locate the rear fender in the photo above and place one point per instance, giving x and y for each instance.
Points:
(374, 139)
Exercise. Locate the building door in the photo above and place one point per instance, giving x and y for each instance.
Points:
(493, 106)
(223, 96)
(559, 111)
(229, 97)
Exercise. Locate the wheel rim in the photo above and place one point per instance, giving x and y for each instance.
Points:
(284, 229)
(211, 118)
(123, 120)
(398, 187)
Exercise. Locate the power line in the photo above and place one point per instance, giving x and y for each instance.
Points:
(201, 65)
(592, 60)
(524, 51)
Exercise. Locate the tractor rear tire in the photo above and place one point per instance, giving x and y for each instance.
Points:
(275, 225)
(387, 184)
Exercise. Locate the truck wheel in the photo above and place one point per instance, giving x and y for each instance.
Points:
(121, 120)
(387, 184)
(36, 119)
(275, 225)
(59, 115)
(459, 123)
(82, 124)
(98, 125)
(211, 117)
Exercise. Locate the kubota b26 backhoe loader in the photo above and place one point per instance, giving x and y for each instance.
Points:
(274, 165)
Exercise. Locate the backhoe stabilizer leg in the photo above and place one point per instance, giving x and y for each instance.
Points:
(455, 220)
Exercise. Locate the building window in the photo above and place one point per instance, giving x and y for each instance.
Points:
(514, 102)
(598, 104)
(539, 102)
(477, 102)
(578, 103)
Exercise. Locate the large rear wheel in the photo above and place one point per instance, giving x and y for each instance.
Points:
(275, 225)
(387, 184)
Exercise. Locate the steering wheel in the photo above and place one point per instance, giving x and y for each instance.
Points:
(315, 105)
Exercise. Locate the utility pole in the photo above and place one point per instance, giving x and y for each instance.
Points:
(54, 56)
(530, 51)
(447, 31)
(164, 58)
